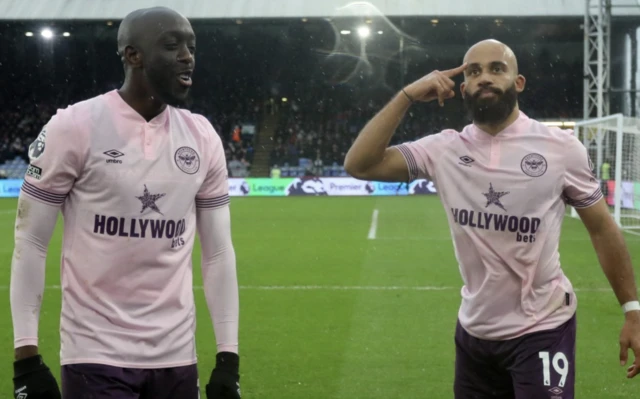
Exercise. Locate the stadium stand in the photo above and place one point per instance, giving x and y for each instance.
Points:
(262, 134)
(317, 127)
(21, 125)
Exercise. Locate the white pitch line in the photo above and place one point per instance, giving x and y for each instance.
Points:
(374, 225)
(8, 212)
(343, 288)
(448, 238)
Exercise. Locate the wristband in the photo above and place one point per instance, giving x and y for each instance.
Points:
(631, 306)
(408, 96)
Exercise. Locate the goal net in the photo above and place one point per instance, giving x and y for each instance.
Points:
(613, 143)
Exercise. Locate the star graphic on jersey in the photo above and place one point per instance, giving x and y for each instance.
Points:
(149, 200)
(493, 197)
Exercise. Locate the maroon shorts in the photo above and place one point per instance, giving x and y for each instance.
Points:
(539, 365)
(96, 381)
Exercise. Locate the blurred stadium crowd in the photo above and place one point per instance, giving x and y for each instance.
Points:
(315, 132)
(22, 119)
(299, 120)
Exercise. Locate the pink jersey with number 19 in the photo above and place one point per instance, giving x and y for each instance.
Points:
(505, 197)
(129, 190)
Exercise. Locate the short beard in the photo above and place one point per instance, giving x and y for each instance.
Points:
(491, 111)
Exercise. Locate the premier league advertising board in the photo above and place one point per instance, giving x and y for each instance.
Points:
(301, 186)
(346, 186)
(10, 188)
(324, 186)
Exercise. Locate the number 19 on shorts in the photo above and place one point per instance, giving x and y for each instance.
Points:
(560, 366)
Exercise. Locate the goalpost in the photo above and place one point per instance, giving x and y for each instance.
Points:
(613, 143)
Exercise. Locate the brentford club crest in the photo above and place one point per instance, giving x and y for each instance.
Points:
(187, 160)
(534, 165)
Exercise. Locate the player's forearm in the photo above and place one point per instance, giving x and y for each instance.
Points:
(34, 227)
(372, 141)
(219, 276)
(221, 291)
(616, 262)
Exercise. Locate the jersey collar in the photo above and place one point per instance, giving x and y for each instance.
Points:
(517, 127)
(130, 113)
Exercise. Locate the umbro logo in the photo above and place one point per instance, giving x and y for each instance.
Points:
(114, 155)
(466, 161)
(556, 391)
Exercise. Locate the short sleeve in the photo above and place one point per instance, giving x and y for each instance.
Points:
(421, 155)
(55, 161)
(214, 192)
(581, 188)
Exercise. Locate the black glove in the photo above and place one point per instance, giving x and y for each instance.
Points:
(32, 379)
(225, 377)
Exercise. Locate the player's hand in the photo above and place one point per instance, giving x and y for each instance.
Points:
(225, 377)
(436, 85)
(32, 379)
(630, 339)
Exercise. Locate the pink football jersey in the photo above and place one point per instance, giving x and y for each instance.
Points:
(506, 197)
(129, 190)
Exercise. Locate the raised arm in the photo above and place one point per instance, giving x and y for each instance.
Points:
(370, 157)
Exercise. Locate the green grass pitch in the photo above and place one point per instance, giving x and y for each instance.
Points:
(328, 313)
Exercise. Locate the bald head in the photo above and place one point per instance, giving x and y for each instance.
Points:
(157, 47)
(491, 83)
(494, 50)
(142, 27)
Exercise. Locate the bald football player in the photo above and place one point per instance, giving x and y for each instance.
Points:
(505, 181)
(135, 178)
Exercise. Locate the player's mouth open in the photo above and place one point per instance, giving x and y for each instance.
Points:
(185, 79)
(487, 93)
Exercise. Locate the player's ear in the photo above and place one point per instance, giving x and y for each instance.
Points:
(462, 86)
(133, 57)
(520, 83)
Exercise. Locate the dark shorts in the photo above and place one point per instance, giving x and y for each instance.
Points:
(539, 365)
(96, 381)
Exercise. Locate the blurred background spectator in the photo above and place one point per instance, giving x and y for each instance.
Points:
(285, 94)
